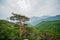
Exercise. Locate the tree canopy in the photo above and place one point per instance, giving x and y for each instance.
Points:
(19, 17)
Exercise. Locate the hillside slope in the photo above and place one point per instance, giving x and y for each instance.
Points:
(49, 25)
(35, 20)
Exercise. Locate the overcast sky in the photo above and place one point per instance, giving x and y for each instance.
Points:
(29, 7)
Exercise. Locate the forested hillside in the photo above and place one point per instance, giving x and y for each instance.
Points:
(49, 25)
(47, 30)
(8, 31)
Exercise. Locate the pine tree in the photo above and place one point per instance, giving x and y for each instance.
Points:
(19, 18)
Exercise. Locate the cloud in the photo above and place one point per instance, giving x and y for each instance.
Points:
(48, 7)
(29, 7)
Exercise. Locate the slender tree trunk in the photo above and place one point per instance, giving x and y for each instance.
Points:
(21, 28)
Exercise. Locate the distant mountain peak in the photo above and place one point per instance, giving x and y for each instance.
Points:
(35, 20)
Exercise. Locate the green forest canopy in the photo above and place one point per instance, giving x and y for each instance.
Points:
(44, 30)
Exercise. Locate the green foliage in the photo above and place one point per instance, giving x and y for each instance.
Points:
(8, 31)
(50, 28)
(44, 31)
(49, 25)
(19, 17)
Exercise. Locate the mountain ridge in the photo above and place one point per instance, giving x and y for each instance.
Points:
(35, 20)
